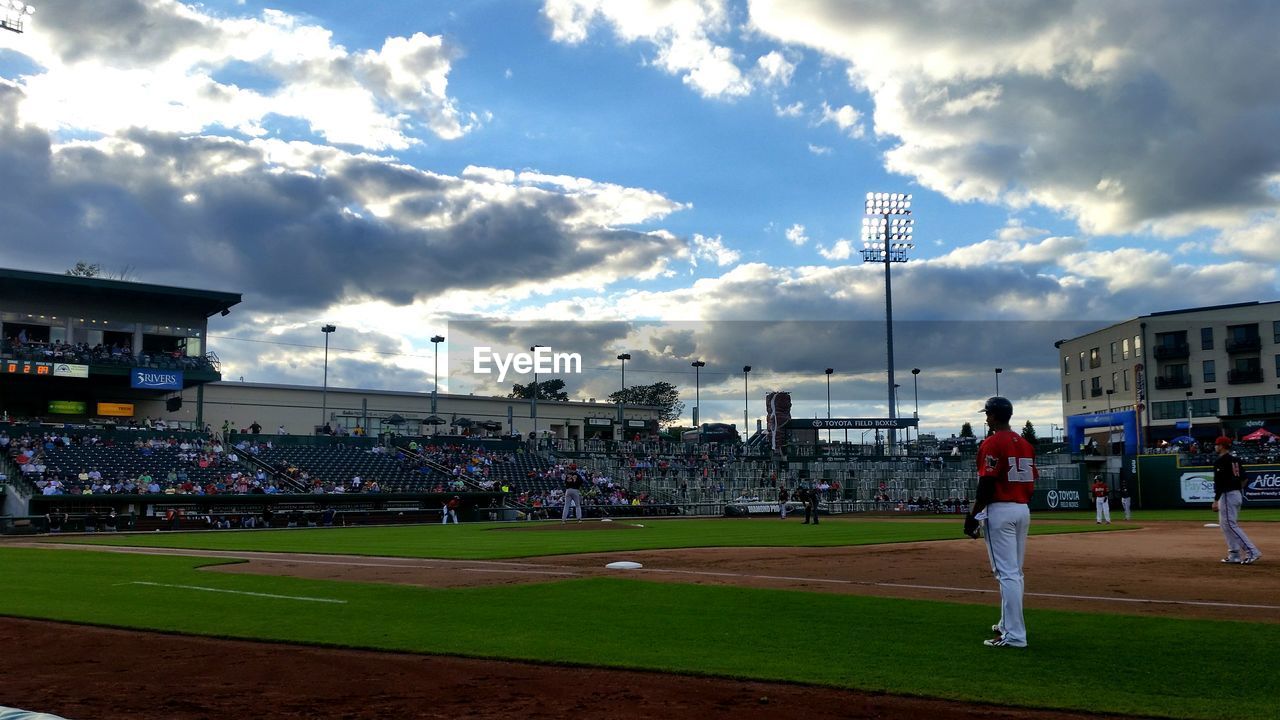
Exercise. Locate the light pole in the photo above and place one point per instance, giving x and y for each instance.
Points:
(533, 397)
(915, 388)
(1190, 420)
(745, 395)
(896, 409)
(998, 371)
(886, 239)
(435, 390)
(1110, 425)
(622, 431)
(324, 393)
(624, 357)
(13, 14)
(697, 366)
(828, 372)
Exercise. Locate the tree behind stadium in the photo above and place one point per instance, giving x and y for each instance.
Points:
(551, 389)
(662, 394)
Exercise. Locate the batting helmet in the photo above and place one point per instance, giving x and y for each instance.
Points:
(999, 406)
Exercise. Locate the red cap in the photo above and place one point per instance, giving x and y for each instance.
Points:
(1224, 440)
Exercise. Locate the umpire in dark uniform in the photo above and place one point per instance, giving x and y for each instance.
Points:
(809, 496)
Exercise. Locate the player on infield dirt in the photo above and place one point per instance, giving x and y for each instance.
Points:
(1006, 476)
(1228, 484)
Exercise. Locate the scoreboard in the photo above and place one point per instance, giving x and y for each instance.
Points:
(48, 369)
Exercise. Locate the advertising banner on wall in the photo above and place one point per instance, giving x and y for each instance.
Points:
(148, 379)
(1069, 495)
(1197, 487)
(1262, 485)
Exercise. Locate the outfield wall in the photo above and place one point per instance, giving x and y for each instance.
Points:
(1164, 482)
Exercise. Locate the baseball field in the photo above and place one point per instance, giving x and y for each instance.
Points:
(866, 617)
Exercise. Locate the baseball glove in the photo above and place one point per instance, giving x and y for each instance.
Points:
(972, 527)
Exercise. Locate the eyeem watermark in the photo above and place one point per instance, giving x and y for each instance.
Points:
(539, 360)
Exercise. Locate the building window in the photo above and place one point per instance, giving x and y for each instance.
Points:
(1083, 392)
(1114, 352)
(1114, 378)
(1066, 389)
(1206, 338)
(1278, 367)
(1204, 407)
(1081, 361)
(1255, 405)
(1066, 364)
(1095, 357)
(1178, 409)
(1125, 374)
(1095, 386)
(1137, 346)
(1210, 372)
(1275, 331)
(1124, 345)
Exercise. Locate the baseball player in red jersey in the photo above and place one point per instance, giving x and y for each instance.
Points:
(1006, 476)
(1101, 499)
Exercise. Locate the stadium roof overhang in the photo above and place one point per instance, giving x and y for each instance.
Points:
(24, 283)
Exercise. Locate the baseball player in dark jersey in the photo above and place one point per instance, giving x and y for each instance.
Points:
(1228, 485)
(572, 495)
(783, 497)
(1006, 477)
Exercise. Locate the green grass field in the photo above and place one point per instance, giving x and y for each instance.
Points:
(1104, 663)
(484, 541)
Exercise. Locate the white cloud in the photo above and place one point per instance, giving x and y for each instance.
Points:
(844, 117)
(796, 235)
(1086, 107)
(795, 109)
(1009, 251)
(679, 30)
(840, 250)
(101, 74)
(1259, 239)
(774, 69)
(1016, 231)
(714, 250)
(819, 149)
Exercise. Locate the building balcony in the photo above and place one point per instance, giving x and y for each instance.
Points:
(1173, 383)
(1173, 352)
(1246, 345)
(1243, 377)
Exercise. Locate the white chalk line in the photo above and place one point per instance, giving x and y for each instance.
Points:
(945, 588)
(237, 592)
(518, 572)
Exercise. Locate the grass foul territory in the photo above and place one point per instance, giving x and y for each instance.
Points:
(487, 541)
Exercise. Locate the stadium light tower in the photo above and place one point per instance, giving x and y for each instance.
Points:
(324, 393)
(886, 238)
(697, 366)
(435, 390)
(13, 14)
(745, 400)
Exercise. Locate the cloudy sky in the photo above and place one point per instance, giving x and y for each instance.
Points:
(686, 175)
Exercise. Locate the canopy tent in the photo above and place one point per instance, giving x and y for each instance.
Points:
(1183, 440)
(433, 420)
(1259, 434)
